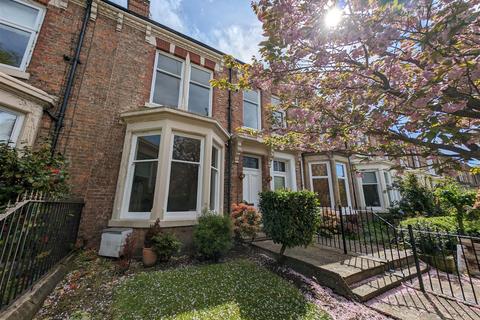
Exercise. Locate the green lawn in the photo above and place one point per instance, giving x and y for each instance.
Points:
(233, 290)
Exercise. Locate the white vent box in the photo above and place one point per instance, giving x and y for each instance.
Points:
(113, 240)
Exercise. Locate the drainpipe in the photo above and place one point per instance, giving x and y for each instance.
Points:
(229, 145)
(70, 78)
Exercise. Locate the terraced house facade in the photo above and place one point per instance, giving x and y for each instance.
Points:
(129, 102)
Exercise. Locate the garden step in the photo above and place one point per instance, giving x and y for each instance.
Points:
(374, 286)
(358, 268)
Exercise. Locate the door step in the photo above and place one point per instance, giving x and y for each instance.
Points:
(375, 286)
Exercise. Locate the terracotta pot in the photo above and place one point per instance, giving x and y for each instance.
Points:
(149, 257)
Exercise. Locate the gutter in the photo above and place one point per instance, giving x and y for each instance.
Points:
(229, 146)
(70, 79)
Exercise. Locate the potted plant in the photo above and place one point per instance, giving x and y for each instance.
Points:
(149, 256)
(165, 245)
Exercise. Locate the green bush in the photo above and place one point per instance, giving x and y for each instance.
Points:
(165, 245)
(289, 217)
(212, 237)
(27, 170)
(443, 224)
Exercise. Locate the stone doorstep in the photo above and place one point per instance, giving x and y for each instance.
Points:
(27, 305)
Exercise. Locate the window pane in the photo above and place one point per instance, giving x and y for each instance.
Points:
(147, 147)
(213, 188)
(342, 188)
(250, 162)
(278, 183)
(277, 118)
(186, 149)
(340, 170)
(143, 187)
(182, 193)
(169, 64)
(319, 169)
(166, 90)
(250, 95)
(199, 99)
(279, 166)
(275, 101)
(18, 13)
(320, 186)
(7, 122)
(200, 76)
(369, 177)
(370, 192)
(214, 157)
(13, 44)
(250, 115)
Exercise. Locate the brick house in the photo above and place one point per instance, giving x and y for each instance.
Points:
(145, 134)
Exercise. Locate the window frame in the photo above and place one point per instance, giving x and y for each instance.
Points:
(187, 92)
(347, 185)
(282, 112)
(184, 215)
(125, 214)
(154, 78)
(17, 127)
(33, 33)
(378, 184)
(284, 174)
(259, 109)
(328, 177)
(216, 205)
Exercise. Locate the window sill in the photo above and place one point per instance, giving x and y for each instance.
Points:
(148, 223)
(15, 73)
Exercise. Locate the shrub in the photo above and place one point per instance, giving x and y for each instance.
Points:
(126, 256)
(152, 231)
(289, 217)
(212, 236)
(246, 220)
(27, 170)
(416, 199)
(166, 245)
(443, 224)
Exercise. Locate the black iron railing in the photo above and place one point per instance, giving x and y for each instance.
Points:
(35, 235)
(439, 262)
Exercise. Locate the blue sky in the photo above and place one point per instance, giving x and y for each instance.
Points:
(227, 25)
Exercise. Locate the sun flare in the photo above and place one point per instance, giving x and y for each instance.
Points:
(333, 17)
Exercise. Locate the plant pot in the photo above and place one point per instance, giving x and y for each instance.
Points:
(149, 257)
(437, 261)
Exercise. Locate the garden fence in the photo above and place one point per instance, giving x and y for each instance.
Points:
(431, 260)
(35, 235)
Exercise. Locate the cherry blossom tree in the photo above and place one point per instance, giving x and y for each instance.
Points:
(383, 78)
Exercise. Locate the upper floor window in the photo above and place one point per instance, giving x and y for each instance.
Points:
(251, 109)
(278, 116)
(10, 125)
(19, 25)
(179, 84)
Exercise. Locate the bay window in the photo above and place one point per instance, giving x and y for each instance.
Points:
(142, 176)
(251, 109)
(215, 180)
(320, 181)
(19, 25)
(185, 172)
(10, 126)
(370, 189)
(341, 171)
(180, 84)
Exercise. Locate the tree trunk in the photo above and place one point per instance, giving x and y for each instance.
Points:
(281, 256)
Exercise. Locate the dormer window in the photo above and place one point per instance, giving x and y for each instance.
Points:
(180, 84)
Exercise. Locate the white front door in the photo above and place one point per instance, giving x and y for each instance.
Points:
(252, 181)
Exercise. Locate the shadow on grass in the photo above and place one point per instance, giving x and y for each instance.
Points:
(233, 290)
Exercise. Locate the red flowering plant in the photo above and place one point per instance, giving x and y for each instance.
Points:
(28, 170)
(246, 220)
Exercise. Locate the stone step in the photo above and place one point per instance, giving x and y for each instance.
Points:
(375, 286)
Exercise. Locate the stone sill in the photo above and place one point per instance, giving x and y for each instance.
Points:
(148, 223)
(15, 73)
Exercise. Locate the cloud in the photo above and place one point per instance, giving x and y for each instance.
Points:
(239, 41)
(168, 12)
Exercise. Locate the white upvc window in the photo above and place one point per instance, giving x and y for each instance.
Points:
(321, 182)
(370, 188)
(251, 109)
(278, 116)
(141, 176)
(185, 177)
(180, 84)
(10, 126)
(280, 175)
(215, 180)
(20, 23)
(343, 186)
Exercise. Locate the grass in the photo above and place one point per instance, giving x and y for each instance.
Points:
(238, 289)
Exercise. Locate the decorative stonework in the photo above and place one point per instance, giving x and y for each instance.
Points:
(93, 11)
(62, 4)
(119, 22)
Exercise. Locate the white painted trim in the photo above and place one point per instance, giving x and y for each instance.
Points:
(328, 177)
(291, 176)
(379, 189)
(347, 183)
(154, 78)
(33, 32)
(17, 127)
(210, 94)
(259, 110)
(284, 114)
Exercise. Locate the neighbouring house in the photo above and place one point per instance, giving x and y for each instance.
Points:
(145, 134)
